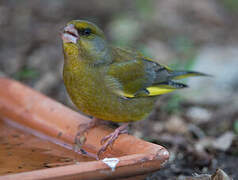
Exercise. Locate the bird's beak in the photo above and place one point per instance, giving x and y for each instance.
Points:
(70, 34)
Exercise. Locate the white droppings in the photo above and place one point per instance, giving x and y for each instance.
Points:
(111, 162)
(165, 153)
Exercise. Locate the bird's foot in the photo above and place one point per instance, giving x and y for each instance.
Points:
(80, 139)
(82, 129)
(109, 139)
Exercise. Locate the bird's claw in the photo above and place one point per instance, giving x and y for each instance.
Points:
(103, 140)
(80, 138)
(109, 139)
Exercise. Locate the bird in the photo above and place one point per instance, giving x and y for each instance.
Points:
(112, 83)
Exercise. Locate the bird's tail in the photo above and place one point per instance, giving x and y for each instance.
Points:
(169, 85)
(185, 74)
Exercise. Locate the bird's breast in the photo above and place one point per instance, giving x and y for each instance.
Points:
(90, 93)
(86, 88)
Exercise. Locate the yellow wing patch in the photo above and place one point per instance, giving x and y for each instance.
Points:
(158, 90)
(124, 94)
(151, 91)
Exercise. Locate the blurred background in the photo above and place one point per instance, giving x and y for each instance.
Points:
(198, 125)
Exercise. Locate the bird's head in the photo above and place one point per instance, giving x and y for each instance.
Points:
(85, 40)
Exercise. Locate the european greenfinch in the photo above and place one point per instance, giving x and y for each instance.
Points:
(111, 83)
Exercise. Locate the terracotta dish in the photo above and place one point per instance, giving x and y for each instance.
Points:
(28, 111)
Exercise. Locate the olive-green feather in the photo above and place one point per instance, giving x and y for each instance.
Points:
(133, 75)
(111, 83)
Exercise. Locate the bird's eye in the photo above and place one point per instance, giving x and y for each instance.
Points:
(86, 32)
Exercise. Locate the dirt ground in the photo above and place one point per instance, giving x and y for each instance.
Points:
(198, 125)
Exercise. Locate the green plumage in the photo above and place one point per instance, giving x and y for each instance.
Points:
(112, 83)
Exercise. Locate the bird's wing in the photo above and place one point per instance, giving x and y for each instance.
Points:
(121, 54)
(140, 77)
(133, 75)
